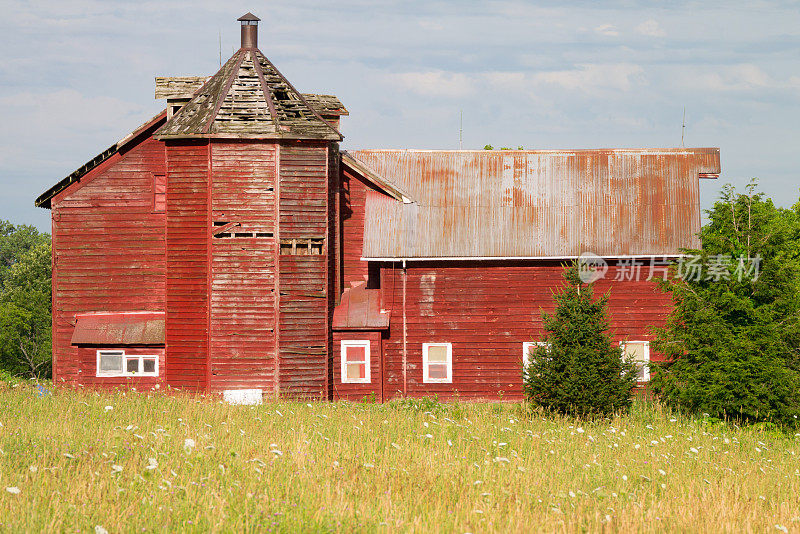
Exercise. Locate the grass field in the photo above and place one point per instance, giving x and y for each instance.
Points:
(136, 462)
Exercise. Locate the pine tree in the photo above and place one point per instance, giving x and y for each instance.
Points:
(579, 371)
(733, 341)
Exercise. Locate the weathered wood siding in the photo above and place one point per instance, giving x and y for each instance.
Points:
(303, 279)
(188, 252)
(487, 310)
(108, 248)
(357, 392)
(243, 268)
(353, 200)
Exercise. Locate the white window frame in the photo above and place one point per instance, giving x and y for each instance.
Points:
(646, 366)
(526, 349)
(426, 379)
(125, 357)
(367, 375)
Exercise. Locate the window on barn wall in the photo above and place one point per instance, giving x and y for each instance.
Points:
(437, 363)
(355, 362)
(527, 347)
(117, 363)
(639, 351)
(159, 193)
(303, 247)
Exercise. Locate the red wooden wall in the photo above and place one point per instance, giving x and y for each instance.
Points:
(353, 200)
(304, 300)
(87, 363)
(188, 253)
(108, 248)
(243, 268)
(487, 310)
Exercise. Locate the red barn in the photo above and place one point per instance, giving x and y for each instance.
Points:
(229, 245)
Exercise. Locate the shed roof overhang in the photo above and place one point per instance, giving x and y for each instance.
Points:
(119, 328)
(360, 309)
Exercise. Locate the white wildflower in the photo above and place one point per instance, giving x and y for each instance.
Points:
(13, 490)
(33, 469)
(662, 472)
(694, 450)
(580, 430)
(188, 445)
(152, 463)
(99, 530)
(396, 446)
(108, 408)
(781, 528)
(116, 468)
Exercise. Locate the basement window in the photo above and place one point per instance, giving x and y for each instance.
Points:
(437, 363)
(117, 363)
(639, 351)
(355, 362)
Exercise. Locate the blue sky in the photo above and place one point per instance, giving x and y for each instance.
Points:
(77, 75)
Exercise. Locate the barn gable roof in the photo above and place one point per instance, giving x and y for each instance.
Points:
(248, 98)
(535, 203)
(146, 129)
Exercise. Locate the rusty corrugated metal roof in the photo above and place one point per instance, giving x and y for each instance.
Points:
(536, 203)
(360, 309)
(119, 328)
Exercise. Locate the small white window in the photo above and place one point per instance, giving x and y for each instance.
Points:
(527, 347)
(109, 363)
(437, 363)
(117, 363)
(355, 362)
(639, 351)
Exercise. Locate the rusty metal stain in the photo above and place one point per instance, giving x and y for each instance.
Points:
(123, 328)
(613, 202)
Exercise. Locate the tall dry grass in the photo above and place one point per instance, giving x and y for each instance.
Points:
(142, 462)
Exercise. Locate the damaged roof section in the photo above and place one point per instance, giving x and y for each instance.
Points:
(249, 98)
(177, 87)
(536, 204)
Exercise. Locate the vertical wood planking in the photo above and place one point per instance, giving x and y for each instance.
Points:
(187, 264)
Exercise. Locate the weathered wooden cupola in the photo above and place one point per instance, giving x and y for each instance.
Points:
(251, 170)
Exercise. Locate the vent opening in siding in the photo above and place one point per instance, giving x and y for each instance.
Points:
(303, 247)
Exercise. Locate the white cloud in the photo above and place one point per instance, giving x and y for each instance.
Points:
(607, 29)
(435, 83)
(592, 77)
(740, 77)
(650, 28)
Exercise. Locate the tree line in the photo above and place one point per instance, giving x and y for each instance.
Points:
(25, 310)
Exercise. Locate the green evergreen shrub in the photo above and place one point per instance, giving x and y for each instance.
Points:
(580, 371)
